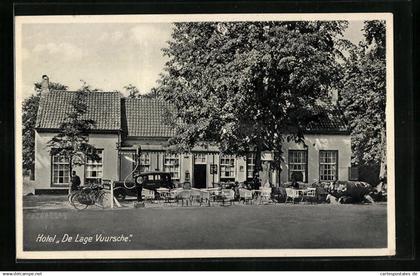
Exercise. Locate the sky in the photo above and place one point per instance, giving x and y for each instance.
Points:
(107, 56)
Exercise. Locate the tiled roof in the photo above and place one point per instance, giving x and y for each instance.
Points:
(331, 121)
(144, 118)
(103, 107)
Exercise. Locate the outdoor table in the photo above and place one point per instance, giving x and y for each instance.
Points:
(305, 192)
(166, 194)
(245, 195)
(228, 194)
(163, 192)
(310, 194)
(184, 196)
(189, 196)
(214, 192)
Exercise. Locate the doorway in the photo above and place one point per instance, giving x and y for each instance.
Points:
(200, 176)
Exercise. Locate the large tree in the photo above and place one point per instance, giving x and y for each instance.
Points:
(248, 86)
(29, 112)
(363, 99)
(72, 142)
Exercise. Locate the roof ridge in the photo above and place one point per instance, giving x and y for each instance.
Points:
(146, 99)
(73, 91)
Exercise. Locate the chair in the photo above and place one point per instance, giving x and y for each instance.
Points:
(174, 192)
(162, 193)
(195, 196)
(310, 195)
(205, 198)
(184, 196)
(228, 195)
(292, 194)
(170, 197)
(149, 195)
(265, 195)
(245, 195)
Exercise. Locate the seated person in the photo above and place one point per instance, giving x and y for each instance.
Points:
(295, 184)
(296, 177)
(256, 183)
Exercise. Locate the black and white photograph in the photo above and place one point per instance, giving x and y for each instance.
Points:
(204, 136)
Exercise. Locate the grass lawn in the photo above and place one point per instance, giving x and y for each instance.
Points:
(240, 227)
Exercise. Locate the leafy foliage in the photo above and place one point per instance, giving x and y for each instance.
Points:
(29, 111)
(248, 86)
(51, 86)
(133, 91)
(154, 93)
(72, 141)
(364, 96)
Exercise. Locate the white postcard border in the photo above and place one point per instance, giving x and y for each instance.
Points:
(227, 253)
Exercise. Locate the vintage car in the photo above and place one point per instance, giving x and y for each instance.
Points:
(147, 180)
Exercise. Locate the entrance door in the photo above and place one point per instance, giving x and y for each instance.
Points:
(200, 174)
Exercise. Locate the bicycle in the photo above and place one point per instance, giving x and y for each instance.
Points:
(86, 196)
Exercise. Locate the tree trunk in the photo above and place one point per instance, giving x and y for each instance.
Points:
(278, 158)
(279, 168)
(257, 168)
(265, 173)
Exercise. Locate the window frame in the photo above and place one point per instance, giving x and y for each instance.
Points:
(224, 178)
(141, 166)
(252, 157)
(290, 151)
(336, 164)
(95, 164)
(177, 166)
(53, 184)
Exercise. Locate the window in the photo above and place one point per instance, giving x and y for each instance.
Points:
(144, 162)
(60, 170)
(298, 165)
(200, 158)
(171, 165)
(328, 165)
(250, 165)
(94, 169)
(227, 167)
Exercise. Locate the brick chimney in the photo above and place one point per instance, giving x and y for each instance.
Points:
(45, 84)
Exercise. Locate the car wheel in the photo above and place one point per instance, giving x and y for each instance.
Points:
(119, 195)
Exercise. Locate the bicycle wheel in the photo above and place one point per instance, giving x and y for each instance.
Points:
(100, 199)
(74, 199)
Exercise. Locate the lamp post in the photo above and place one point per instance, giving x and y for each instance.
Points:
(137, 158)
